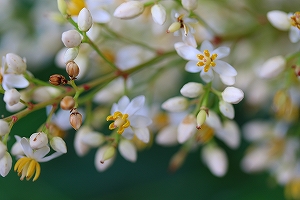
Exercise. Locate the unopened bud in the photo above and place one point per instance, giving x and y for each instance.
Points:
(189, 4)
(174, 27)
(57, 79)
(71, 38)
(67, 103)
(201, 117)
(62, 6)
(5, 164)
(11, 97)
(175, 104)
(158, 14)
(75, 119)
(15, 64)
(192, 89)
(4, 127)
(71, 54)
(58, 145)
(38, 140)
(72, 69)
(85, 20)
(109, 153)
(129, 10)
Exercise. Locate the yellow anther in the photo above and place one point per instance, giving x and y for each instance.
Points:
(295, 20)
(27, 167)
(206, 60)
(75, 6)
(120, 121)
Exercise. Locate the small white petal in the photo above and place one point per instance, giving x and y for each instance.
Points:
(58, 144)
(213, 120)
(129, 10)
(227, 80)
(15, 64)
(4, 127)
(186, 52)
(14, 81)
(26, 147)
(186, 128)
(226, 109)
(93, 139)
(221, 52)
(5, 164)
(232, 95)
(192, 89)
(272, 67)
(189, 39)
(167, 136)
(256, 160)
(192, 67)
(279, 19)
(123, 103)
(128, 150)
(85, 20)
(136, 104)
(158, 14)
(189, 4)
(206, 45)
(11, 97)
(223, 68)
(230, 134)
(143, 134)
(216, 160)
(139, 121)
(207, 76)
(175, 104)
(39, 154)
(81, 148)
(294, 34)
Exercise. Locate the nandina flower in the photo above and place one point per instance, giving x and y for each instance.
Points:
(29, 165)
(125, 117)
(206, 61)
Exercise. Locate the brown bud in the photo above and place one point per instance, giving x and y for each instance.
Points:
(75, 119)
(67, 103)
(72, 69)
(57, 79)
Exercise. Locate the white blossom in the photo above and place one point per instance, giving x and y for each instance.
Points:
(272, 67)
(128, 150)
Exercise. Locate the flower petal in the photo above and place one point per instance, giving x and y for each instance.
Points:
(135, 104)
(223, 68)
(26, 147)
(221, 52)
(206, 45)
(279, 19)
(123, 103)
(40, 153)
(143, 134)
(192, 67)
(207, 76)
(15, 80)
(186, 52)
(52, 156)
(139, 121)
(128, 133)
(167, 136)
(100, 15)
(128, 150)
(294, 34)
(227, 80)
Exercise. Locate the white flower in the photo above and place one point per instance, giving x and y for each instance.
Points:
(129, 10)
(167, 136)
(226, 109)
(158, 14)
(11, 97)
(206, 61)
(128, 150)
(4, 127)
(192, 89)
(286, 21)
(182, 26)
(5, 164)
(186, 128)
(58, 144)
(176, 104)
(127, 119)
(272, 67)
(232, 95)
(215, 159)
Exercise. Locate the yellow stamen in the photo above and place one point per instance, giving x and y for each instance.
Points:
(27, 167)
(206, 60)
(295, 20)
(204, 134)
(120, 121)
(75, 6)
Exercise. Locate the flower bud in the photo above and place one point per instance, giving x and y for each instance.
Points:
(232, 95)
(75, 119)
(3, 149)
(57, 79)
(279, 20)
(11, 97)
(186, 128)
(4, 127)
(70, 54)
(175, 104)
(158, 14)
(58, 145)
(128, 150)
(272, 67)
(67, 103)
(109, 153)
(72, 69)
(174, 27)
(226, 109)
(5, 164)
(129, 10)
(192, 89)
(85, 20)
(15, 64)
(189, 4)
(38, 140)
(167, 136)
(71, 38)
(201, 117)
(62, 6)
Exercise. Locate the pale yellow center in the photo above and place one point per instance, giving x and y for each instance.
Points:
(120, 121)
(206, 60)
(295, 20)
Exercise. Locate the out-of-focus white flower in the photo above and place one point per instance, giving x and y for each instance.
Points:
(5, 164)
(189, 4)
(127, 119)
(11, 97)
(206, 61)
(71, 38)
(286, 21)
(256, 160)
(186, 128)
(128, 150)
(4, 127)
(16, 107)
(226, 109)
(167, 136)
(98, 157)
(215, 159)
(85, 20)
(158, 14)
(129, 10)
(232, 95)
(3, 149)
(182, 26)
(58, 144)
(38, 140)
(176, 104)
(192, 89)
(17, 149)
(272, 67)
(45, 93)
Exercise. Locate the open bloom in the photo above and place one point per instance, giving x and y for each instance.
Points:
(206, 61)
(29, 165)
(125, 117)
(286, 22)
